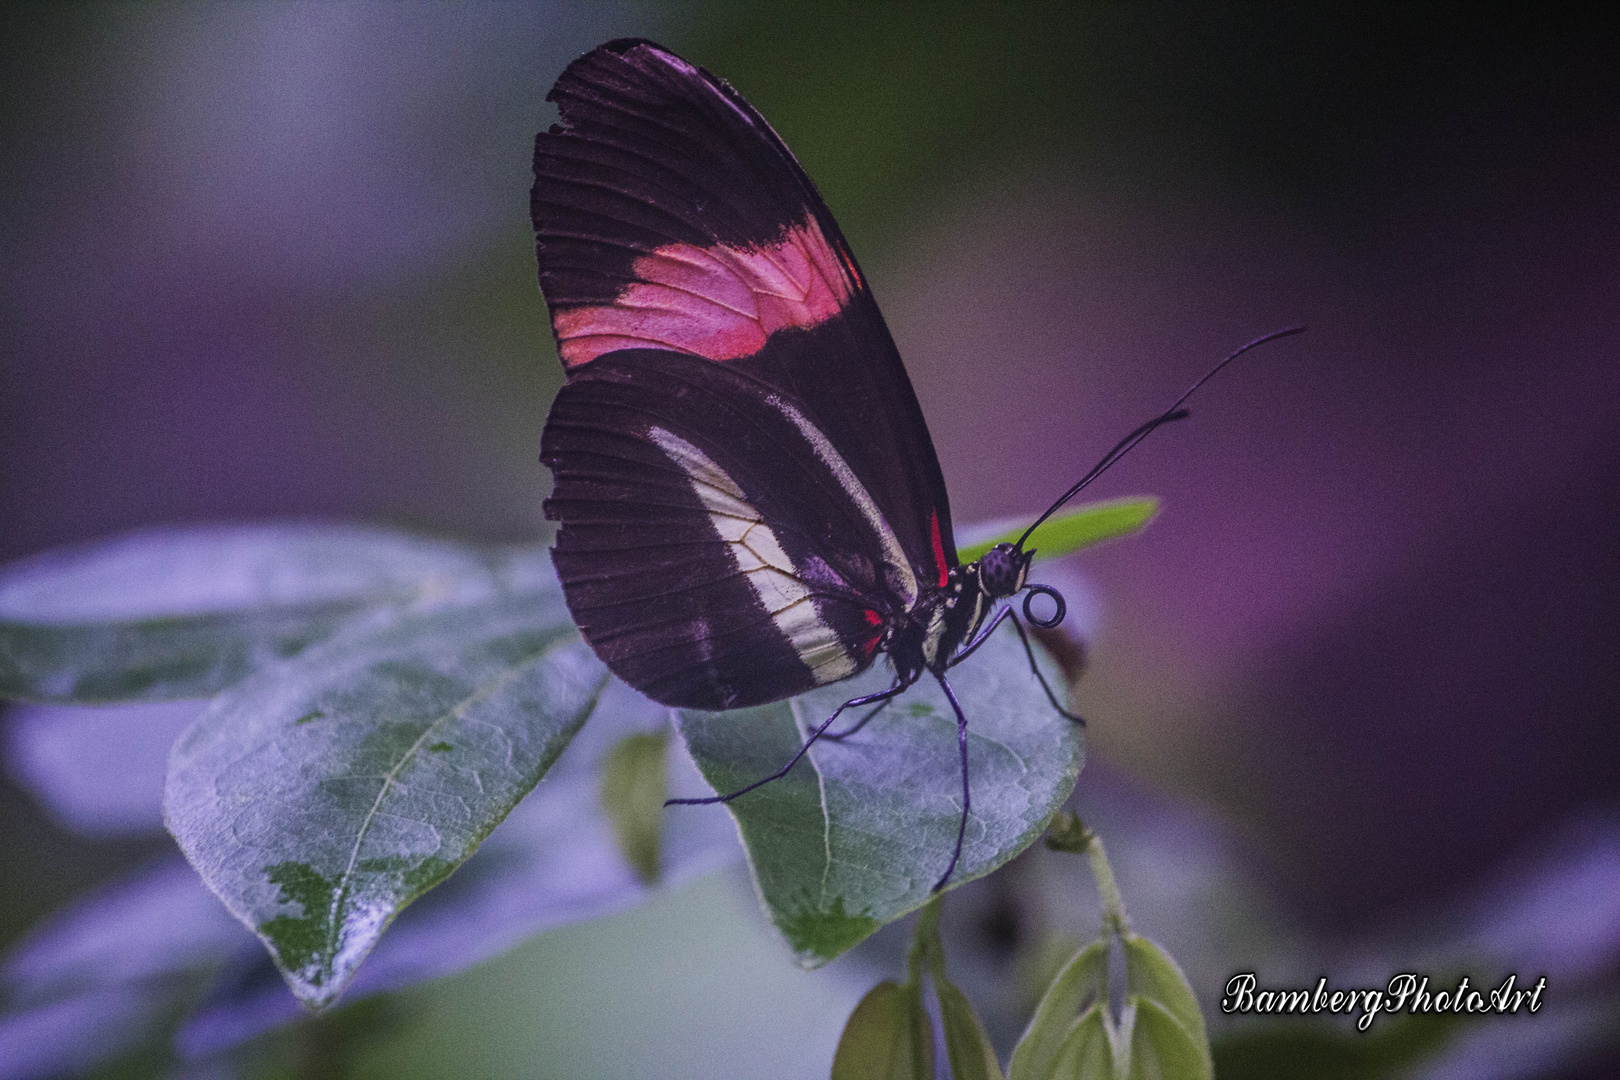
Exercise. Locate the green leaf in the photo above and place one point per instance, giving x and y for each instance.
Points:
(966, 1045)
(1087, 1050)
(1036, 964)
(1054, 1044)
(1162, 1049)
(1064, 532)
(181, 613)
(154, 659)
(1169, 1033)
(325, 793)
(888, 1037)
(634, 784)
(857, 834)
(1160, 1034)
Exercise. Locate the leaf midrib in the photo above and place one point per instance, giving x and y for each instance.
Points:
(341, 894)
(795, 711)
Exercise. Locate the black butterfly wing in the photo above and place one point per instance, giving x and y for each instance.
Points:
(669, 215)
(716, 549)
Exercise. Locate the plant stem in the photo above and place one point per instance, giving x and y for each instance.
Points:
(925, 947)
(1113, 906)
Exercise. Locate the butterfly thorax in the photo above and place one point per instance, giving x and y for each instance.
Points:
(943, 619)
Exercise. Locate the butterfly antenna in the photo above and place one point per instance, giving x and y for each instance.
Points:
(1128, 443)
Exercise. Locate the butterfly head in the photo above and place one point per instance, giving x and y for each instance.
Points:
(1003, 570)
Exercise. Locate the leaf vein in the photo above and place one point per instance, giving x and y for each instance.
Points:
(826, 812)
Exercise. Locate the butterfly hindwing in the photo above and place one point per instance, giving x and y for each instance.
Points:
(712, 550)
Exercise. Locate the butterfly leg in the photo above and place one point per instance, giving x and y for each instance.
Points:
(967, 801)
(882, 695)
(979, 639)
(839, 736)
(1030, 652)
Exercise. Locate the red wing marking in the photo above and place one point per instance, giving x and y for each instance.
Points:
(869, 646)
(939, 548)
(850, 267)
(718, 302)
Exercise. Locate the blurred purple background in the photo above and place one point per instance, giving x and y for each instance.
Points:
(268, 261)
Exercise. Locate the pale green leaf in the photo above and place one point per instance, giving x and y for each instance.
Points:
(1064, 532)
(858, 833)
(1169, 1026)
(1049, 1041)
(887, 1037)
(966, 1045)
(1087, 1050)
(179, 613)
(634, 785)
(1162, 1049)
(323, 794)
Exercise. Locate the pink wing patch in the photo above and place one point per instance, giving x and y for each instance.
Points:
(717, 302)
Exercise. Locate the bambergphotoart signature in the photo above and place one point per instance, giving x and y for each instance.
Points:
(1407, 992)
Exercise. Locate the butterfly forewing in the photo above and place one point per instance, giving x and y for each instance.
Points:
(712, 320)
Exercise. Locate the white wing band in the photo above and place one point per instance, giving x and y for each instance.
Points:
(759, 556)
(901, 577)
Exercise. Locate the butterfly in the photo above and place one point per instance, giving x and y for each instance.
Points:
(748, 500)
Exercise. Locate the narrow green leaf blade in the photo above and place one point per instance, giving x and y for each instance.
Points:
(1174, 1026)
(1049, 1041)
(634, 785)
(966, 1045)
(1162, 1049)
(1087, 1052)
(322, 795)
(1066, 531)
(887, 1037)
(180, 613)
(857, 834)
